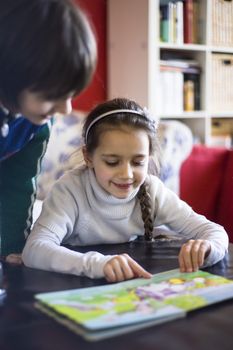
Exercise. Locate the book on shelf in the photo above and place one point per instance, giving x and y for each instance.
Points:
(191, 15)
(179, 22)
(179, 63)
(164, 23)
(189, 95)
(193, 79)
(171, 84)
(105, 311)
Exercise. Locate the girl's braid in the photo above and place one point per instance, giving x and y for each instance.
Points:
(145, 203)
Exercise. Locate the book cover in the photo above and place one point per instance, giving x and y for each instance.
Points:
(110, 310)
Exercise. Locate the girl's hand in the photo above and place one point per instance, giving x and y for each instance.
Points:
(192, 254)
(123, 267)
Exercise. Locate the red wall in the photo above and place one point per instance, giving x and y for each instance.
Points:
(97, 91)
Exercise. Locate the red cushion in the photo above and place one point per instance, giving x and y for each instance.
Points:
(225, 203)
(201, 179)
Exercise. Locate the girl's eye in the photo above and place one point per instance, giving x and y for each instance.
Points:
(111, 163)
(139, 163)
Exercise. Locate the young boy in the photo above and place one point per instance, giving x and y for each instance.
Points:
(48, 55)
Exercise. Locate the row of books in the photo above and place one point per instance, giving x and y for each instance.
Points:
(179, 86)
(222, 23)
(179, 22)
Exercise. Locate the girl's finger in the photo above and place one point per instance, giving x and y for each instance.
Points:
(123, 267)
(138, 270)
(126, 269)
(186, 253)
(195, 254)
(117, 268)
(109, 273)
(181, 262)
(203, 252)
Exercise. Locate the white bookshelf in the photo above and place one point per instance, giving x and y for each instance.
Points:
(134, 52)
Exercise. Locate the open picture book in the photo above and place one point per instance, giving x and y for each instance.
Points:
(105, 311)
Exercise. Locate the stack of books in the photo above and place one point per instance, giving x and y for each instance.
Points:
(179, 86)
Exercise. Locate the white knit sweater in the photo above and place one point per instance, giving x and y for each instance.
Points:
(79, 212)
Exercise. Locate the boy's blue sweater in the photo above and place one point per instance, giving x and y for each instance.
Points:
(21, 131)
(21, 152)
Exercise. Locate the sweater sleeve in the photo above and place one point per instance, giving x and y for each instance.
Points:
(43, 251)
(55, 225)
(180, 218)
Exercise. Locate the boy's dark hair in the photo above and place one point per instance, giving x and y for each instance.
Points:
(116, 120)
(46, 46)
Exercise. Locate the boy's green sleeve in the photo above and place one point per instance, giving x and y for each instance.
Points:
(18, 175)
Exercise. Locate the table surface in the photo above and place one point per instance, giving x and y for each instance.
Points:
(24, 327)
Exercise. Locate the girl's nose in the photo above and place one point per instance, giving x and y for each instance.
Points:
(64, 106)
(126, 171)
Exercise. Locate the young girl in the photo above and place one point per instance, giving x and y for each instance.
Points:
(113, 199)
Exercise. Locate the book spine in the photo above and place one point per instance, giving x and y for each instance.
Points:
(164, 37)
(195, 21)
(192, 92)
(188, 95)
(171, 22)
(179, 22)
(188, 21)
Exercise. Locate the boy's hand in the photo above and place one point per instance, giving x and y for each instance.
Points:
(123, 267)
(14, 259)
(192, 254)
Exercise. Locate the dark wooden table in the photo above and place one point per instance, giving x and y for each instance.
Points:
(24, 327)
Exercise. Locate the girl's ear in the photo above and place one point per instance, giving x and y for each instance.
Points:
(87, 158)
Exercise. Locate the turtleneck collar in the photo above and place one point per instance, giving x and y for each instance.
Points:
(104, 202)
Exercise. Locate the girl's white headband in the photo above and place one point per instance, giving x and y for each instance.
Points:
(107, 114)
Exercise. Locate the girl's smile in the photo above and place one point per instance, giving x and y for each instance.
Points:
(120, 161)
(124, 188)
